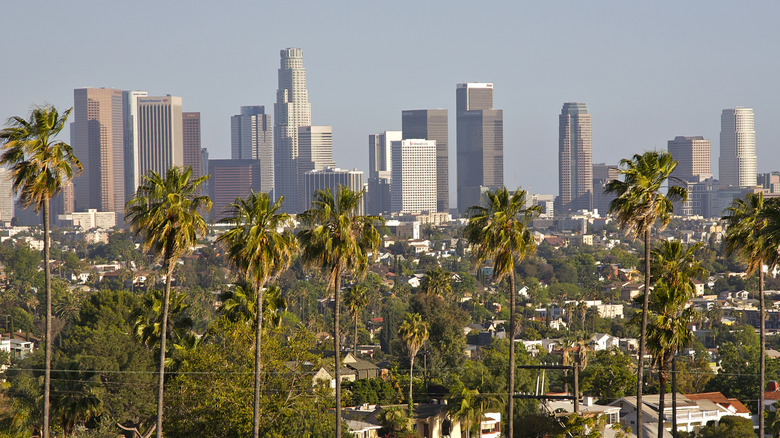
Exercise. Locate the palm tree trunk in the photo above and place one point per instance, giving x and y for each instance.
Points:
(640, 362)
(511, 384)
(337, 344)
(674, 395)
(762, 335)
(169, 264)
(258, 344)
(47, 354)
(354, 351)
(662, 381)
(411, 373)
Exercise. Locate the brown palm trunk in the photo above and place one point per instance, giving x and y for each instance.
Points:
(337, 344)
(640, 364)
(512, 322)
(674, 395)
(258, 344)
(762, 335)
(411, 374)
(169, 264)
(47, 354)
(662, 381)
(354, 351)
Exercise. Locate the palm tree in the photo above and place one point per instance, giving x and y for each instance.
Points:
(639, 204)
(414, 332)
(437, 281)
(257, 247)
(76, 396)
(147, 320)
(499, 231)
(751, 234)
(40, 166)
(166, 213)
(355, 300)
(338, 240)
(676, 267)
(240, 305)
(468, 406)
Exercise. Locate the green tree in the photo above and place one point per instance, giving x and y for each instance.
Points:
(639, 205)
(609, 375)
(500, 232)
(261, 252)
(355, 300)
(437, 281)
(338, 240)
(166, 213)
(730, 426)
(40, 166)
(747, 238)
(414, 333)
(76, 395)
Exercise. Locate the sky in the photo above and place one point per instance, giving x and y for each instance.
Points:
(649, 71)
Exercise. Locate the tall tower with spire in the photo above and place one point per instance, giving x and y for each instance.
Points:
(292, 110)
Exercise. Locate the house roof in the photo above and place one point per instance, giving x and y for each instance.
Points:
(719, 398)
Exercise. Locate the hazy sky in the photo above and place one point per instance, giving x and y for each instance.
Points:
(647, 71)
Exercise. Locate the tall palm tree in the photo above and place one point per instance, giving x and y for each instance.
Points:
(639, 205)
(355, 300)
(40, 166)
(338, 239)
(166, 213)
(500, 231)
(437, 281)
(676, 267)
(414, 332)
(260, 246)
(752, 234)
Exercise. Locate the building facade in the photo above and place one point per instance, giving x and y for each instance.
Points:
(251, 138)
(431, 124)
(480, 148)
(191, 142)
(130, 125)
(737, 148)
(332, 179)
(292, 110)
(603, 174)
(413, 181)
(97, 138)
(231, 179)
(160, 136)
(6, 195)
(575, 158)
(693, 158)
(380, 164)
(315, 152)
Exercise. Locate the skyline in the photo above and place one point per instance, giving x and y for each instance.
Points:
(647, 72)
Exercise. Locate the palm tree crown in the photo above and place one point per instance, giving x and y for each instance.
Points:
(414, 332)
(500, 231)
(338, 240)
(40, 165)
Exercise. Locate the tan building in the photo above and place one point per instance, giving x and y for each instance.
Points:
(575, 159)
(191, 143)
(160, 136)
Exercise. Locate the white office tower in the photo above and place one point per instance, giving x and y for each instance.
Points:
(6, 195)
(315, 152)
(292, 110)
(737, 148)
(130, 116)
(252, 139)
(333, 179)
(413, 181)
(160, 136)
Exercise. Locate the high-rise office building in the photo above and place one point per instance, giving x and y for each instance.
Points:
(413, 183)
(431, 124)
(575, 158)
(737, 148)
(97, 137)
(130, 125)
(292, 110)
(231, 179)
(332, 179)
(160, 136)
(603, 174)
(315, 152)
(6, 195)
(480, 148)
(191, 142)
(252, 139)
(380, 163)
(693, 158)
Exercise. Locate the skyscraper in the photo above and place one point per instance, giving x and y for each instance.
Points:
(413, 184)
(332, 178)
(160, 136)
(315, 152)
(252, 138)
(575, 158)
(191, 143)
(380, 163)
(693, 158)
(130, 125)
(231, 179)
(480, 149)
(292, 110)
(431, 124)
(97, 137)
(737, 148)
(602, 175)
(6, 195)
